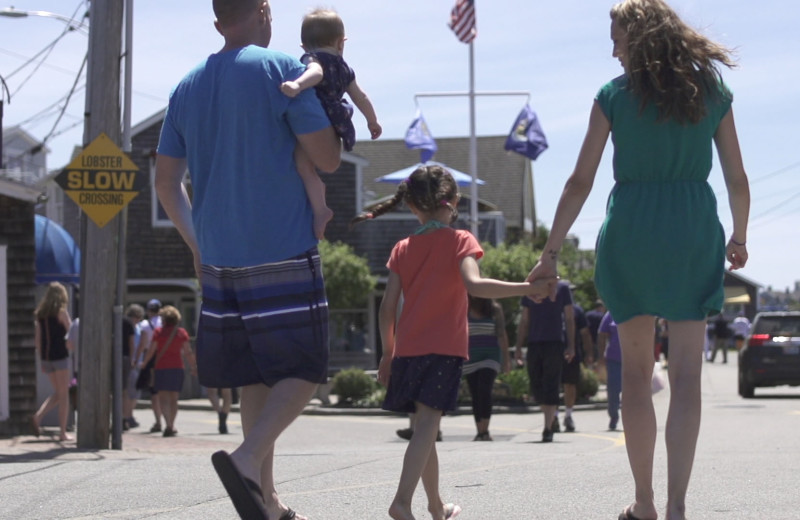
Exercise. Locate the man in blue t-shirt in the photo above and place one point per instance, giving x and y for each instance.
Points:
(264, 320)
(548, 329)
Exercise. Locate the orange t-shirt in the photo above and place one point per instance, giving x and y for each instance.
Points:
(434, 315)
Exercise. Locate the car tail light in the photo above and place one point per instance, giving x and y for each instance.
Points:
(756, 340)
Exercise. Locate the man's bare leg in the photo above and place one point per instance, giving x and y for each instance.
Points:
(266, 413)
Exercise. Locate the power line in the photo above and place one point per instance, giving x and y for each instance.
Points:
(66, 102)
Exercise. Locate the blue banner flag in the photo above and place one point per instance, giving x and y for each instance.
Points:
(419, 137)
(527, 137)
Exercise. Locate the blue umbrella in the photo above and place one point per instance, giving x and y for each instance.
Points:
(461, 178)
(58, 258)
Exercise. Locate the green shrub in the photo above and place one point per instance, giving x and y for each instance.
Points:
(588, 384)
(374, 400)
(348, 281)
(517, 381)
(353, 385)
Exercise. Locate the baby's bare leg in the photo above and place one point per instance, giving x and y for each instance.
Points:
(315, 190)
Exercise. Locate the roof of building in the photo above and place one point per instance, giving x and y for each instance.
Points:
(503, 171)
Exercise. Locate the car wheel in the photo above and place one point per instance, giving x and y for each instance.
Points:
(746, 389)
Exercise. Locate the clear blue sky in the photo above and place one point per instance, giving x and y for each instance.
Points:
(558, 51)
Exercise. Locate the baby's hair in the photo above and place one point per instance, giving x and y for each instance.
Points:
(427, 189)
(321, 28)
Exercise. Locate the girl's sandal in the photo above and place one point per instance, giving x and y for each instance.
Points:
(451, 511)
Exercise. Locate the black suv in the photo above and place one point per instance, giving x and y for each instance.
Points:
(771, 356)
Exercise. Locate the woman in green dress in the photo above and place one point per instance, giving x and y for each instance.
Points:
(661, 250)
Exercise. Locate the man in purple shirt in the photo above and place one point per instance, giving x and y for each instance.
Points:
(548, 329)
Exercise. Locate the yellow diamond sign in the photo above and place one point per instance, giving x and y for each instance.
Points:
(102, 180)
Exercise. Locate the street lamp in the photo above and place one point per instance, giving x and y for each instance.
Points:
(72, 24)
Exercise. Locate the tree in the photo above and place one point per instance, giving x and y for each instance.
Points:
(514, 262)
(348, 281)
(511, 263)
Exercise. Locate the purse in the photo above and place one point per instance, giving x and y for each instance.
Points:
(147, 377)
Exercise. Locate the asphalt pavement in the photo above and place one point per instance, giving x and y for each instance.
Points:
(337, 464)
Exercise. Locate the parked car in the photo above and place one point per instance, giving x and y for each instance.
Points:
(771, 355)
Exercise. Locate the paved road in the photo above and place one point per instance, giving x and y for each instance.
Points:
(345, 467)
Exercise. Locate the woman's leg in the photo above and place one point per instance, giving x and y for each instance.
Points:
(683, 421)
(486, 377)
(637, 341)
(49, 403)
(61, 385)
(173, 407)
(164, 401)
(416, 462)
(472, 384)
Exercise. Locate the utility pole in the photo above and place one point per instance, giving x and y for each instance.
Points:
(99, 245)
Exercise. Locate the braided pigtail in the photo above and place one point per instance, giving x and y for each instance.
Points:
(383, 207)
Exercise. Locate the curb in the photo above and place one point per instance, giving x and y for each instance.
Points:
(332, 410)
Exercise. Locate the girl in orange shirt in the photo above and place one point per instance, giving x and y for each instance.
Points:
(423, 349)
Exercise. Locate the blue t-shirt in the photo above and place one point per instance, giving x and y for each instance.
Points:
(547, 317)
(237, 130)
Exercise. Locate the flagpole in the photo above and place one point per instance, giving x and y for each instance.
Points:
(473, 146)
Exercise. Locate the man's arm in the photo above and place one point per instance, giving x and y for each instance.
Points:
(323, 147)
(602, 341)
(172, 194)
(586, 343)
(569, 318)
(522, 332)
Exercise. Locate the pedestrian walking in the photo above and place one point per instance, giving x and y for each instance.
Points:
(661, 249)
(424, 349)
(249, 227)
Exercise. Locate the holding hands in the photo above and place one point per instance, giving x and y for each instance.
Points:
(545, 272)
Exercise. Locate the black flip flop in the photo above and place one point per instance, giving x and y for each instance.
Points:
(245, 494)
(627, 515)
(288, 515)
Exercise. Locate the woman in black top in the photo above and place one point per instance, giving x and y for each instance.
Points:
(52, 323)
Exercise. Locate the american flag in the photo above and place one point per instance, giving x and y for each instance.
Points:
(462, 20)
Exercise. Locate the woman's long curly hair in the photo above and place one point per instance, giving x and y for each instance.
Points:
(670, 64)
(54, 299)
(427, 189)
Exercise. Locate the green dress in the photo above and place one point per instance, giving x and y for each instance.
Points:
(661, 250)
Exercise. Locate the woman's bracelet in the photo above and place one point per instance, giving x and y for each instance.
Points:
(737, 243)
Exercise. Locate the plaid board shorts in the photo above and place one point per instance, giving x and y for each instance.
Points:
(264, 323)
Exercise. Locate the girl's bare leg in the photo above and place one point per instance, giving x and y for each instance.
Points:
(417, 461)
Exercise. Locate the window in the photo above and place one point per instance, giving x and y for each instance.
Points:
(158, 215)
